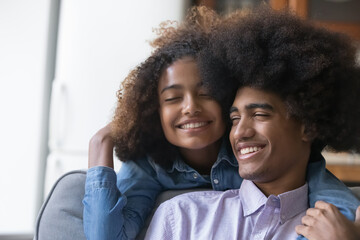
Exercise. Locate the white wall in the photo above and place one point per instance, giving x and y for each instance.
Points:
(117, 32)
(23, 41)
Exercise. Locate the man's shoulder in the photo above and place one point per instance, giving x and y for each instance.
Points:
(184, 213)
(201, 198)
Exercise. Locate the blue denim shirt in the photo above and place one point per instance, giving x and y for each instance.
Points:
(116, 205)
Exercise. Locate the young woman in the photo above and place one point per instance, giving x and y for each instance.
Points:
(170, 131)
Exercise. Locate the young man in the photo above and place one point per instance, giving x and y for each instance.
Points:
(297, 92)
(272, 151)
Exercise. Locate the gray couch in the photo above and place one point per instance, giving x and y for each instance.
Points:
(61, 214)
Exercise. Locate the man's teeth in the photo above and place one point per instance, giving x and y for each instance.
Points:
(193, 125)
(249, 150)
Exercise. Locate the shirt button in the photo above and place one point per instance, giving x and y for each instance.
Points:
(195, 175)
(216, 181)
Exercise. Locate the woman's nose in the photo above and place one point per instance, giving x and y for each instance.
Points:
(191, 106)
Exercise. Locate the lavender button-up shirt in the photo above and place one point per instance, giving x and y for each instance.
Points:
(244, 213)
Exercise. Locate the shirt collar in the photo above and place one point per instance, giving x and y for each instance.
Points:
(251, 196)
(293, 202)
(225, 154)
(290, 203)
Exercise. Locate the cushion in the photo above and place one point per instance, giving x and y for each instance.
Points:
(61, 215)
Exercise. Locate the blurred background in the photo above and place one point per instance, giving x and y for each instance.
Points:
(61, 63)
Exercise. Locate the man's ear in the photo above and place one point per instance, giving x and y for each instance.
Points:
(308, 134)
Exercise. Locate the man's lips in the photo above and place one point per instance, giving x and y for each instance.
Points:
(249, 149)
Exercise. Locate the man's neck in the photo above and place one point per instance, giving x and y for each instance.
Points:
(280, 186)
(293, 178)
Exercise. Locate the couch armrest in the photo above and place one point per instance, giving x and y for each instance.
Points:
(61, 214)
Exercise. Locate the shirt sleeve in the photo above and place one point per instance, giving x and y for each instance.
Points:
(116, 206)
(324, 186)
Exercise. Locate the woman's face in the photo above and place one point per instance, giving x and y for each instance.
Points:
(190, 118)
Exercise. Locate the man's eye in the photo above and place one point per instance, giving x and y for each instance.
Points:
(261, 115)
(234, 120)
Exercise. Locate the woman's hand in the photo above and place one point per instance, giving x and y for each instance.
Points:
(325, 221)
(101, 148)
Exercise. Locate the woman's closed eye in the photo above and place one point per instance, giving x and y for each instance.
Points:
(203, 92)
(205, 95)
(171, 99)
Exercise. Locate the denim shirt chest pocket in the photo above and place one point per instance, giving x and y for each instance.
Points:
(224, 175)
(181, 176)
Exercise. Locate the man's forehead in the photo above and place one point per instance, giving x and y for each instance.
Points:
(250, 98)
(250, 94)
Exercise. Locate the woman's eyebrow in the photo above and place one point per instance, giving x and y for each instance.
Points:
(174, 86)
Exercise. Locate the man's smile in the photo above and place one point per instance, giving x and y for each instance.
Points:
(247, 150)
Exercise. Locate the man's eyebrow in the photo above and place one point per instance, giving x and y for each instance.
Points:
(175, 86)
(259, 105)
(233, 109)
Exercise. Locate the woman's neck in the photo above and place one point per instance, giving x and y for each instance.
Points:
(202, 159)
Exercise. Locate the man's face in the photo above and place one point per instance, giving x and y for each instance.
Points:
(268, 144)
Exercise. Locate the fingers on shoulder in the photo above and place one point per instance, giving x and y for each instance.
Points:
(315, 212)
(358, 215)
(324, 205)
(308, 220)
(306, 231)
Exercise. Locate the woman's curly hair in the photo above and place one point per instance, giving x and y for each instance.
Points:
(136, 124)
(312, 69)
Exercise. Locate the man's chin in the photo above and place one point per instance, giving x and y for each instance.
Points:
(251, 175)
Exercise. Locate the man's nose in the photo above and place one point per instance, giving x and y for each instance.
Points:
(243, 130)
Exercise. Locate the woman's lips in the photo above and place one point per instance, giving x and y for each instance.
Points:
(193, 125)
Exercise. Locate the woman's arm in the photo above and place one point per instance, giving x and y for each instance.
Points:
(101, 148)
(115, 207)
(325, 222)
(324, 186)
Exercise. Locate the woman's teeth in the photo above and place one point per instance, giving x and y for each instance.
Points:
(193, 125)
(249, 150)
